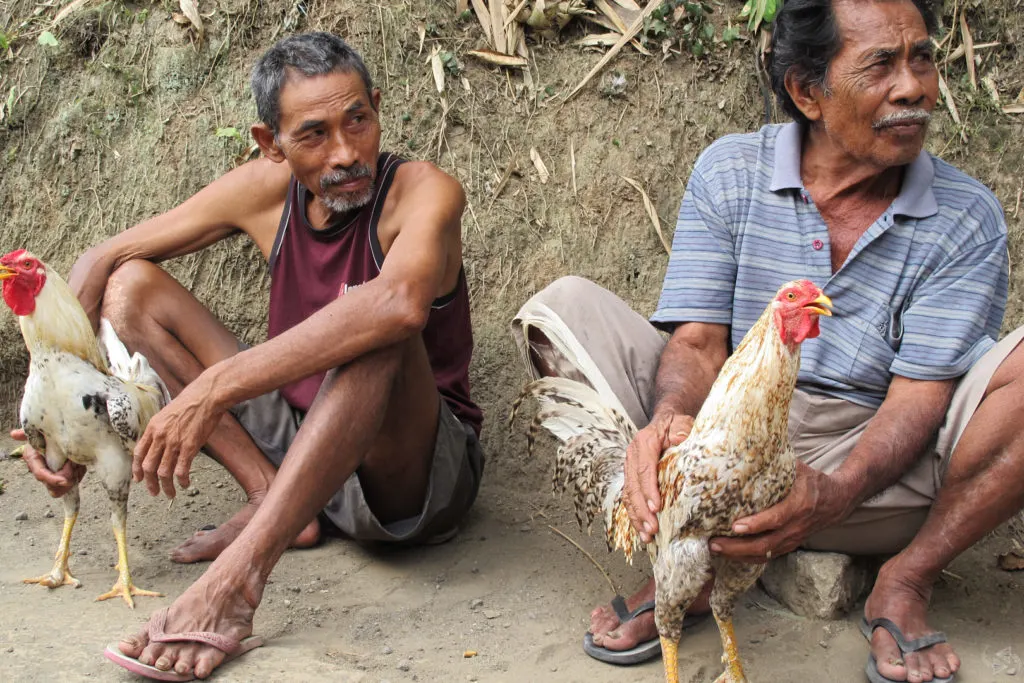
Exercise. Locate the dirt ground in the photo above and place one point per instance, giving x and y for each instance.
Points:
(119, 121)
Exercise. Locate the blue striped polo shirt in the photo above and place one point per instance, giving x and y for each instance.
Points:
(921, 295)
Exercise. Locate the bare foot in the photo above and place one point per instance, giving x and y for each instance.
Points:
(610, 634)
(899, 596)
(208, 545)
(220, 602)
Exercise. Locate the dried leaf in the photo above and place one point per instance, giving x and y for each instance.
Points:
(469, 653)
(965, 34)
(1013, 109)
(651, 213)
(499, 59)
(538, 163)
(1011, 561)
(947, 97)
(612, 15)
(497, 10)
(483, 15)
(191, 10)
(990, 87)
(461, 6)
(598, 40)
(572, 164)
(180, 19)
(71, 7)
(627, 4)
(422, 31)
(438, 69)
(515, 13)
(48, 39)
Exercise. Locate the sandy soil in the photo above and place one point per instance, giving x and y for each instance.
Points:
(351, 613)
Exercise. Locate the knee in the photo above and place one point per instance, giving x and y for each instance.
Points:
(127, 291)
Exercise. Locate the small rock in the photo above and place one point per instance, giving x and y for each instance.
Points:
(491, 614)
(404, 665)
(192, 492)
(814, 584)
(476, 602)
(83, 552)
(526, 527)
(219, 485)
(387, 650)
(287, 603)
(471, 678)
(475, 570)
(10, 649)
(294, 589)
(21, 517)
(49, 514)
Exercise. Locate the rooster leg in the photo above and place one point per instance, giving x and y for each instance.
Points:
(60, 575)
(123, 587)
(731, 658)
(670, 657)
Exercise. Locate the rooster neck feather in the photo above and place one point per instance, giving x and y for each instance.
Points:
(59, 323)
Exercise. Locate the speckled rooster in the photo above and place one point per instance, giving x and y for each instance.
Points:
(736, 461)
(86, 400)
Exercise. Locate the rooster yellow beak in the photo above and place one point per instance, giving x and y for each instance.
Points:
(822, 306)
(6, 273)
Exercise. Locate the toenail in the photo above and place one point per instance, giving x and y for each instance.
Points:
(163, 664)
(614, 635)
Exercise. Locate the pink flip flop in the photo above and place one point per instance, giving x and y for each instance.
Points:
(232, 648)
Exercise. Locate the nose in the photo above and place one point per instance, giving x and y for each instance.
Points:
(341, 154)
(909, 88)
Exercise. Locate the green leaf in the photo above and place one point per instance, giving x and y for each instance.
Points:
(47, 38)
(230, 132)
(5, 42)
(709, 31)
(730, 34)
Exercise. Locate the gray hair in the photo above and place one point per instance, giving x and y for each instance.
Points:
(310, 54)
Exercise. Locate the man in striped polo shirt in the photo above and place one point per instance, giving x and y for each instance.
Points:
(906, 409)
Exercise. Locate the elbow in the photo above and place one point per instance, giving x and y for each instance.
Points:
(410, 315)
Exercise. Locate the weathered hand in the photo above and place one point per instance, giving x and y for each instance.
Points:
(814, 503)
(643, 500)
(57, 483)
(173, 439)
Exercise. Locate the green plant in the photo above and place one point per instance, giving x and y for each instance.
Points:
(685, 22)
(758, 12)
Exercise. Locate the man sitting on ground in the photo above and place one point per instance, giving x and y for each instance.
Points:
(358, 405)
(906, 414)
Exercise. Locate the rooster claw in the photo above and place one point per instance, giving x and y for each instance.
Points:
(120, 590)
(55, 580)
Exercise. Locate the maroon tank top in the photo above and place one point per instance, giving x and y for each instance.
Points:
(310, 268)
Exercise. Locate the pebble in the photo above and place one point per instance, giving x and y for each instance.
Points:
(287, 603)
(491, 614)
(83, 552)
(192, 491)
(404, 665)
(476, 602)
(387, 650)
(49, 514)
(471, 678)
(10, 649)
(219, 485)
(294, 589)
(21, 517)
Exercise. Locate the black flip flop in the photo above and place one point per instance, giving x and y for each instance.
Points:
(905, 646)
(644, 651)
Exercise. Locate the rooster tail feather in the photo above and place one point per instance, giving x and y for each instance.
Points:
(594, 437)
(134, 370)
(566, 354)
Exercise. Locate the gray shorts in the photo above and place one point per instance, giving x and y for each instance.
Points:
(455, 474)
(625, 349)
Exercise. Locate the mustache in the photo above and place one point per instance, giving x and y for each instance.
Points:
(342, 176)
(899, 118)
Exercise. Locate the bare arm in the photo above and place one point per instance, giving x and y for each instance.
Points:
(387, 310)
(235, 202)
(893, 441)
(687, 368)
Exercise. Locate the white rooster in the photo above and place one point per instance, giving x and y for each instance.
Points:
(86, 400)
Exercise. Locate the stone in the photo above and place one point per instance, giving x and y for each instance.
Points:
(404, 665)
(49, 514)
(815, 584)
(387, 650)
(491, 614)
(21, 517)
(475, 603)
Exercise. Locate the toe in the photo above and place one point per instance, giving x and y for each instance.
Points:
(132, 646)
(186, 660)
(151, 654)
(918, 669)
(887, 656)
(207, 660)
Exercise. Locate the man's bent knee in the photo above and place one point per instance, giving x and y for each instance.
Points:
(127, 290)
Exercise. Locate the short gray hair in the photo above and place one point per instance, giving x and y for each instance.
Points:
(310, 54)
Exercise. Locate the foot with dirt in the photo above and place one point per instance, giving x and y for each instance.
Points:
(612, 634)
(207, 545)
(204, 626)
(902, 599)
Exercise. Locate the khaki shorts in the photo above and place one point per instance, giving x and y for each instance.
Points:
(455, 474)
(823, 430)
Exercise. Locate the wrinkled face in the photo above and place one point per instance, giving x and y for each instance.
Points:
(330, 134)
(23, 277)
(883, 84)
(796, 309)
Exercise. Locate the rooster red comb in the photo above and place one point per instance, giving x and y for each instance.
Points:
(13, 256)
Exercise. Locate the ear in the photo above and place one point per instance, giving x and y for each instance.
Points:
(807, 98)
(267, 141)
(375, 99)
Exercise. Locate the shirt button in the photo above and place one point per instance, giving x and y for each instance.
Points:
(817, 244)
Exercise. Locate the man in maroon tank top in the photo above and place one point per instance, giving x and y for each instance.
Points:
(357, 408)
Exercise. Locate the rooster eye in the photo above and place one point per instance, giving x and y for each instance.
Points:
(790, 296)
(26, 263)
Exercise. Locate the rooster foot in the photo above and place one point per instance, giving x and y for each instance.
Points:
(55, 579)
(126, 591)
(726, 678)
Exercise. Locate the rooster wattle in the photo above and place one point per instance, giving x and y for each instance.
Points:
(735, 462)
(86, 400)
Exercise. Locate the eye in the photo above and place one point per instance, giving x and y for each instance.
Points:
(791, 296)
(26, 263)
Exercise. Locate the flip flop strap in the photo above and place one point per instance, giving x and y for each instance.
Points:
(905, 645)
(619, 605)
(157, 634)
